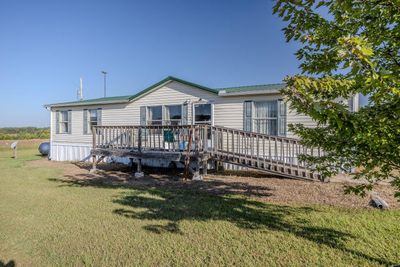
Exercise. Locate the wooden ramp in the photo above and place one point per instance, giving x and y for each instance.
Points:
(272, 154)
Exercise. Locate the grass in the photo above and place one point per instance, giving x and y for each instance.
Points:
(47, 222)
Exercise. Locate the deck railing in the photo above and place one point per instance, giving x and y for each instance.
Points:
(239, 147)
(156, 137)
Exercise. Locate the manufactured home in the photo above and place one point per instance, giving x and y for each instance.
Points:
(258, 109)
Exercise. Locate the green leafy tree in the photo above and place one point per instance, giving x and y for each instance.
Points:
(348, 47)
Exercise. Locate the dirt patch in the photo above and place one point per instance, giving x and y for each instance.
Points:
(309, 192)
(276, 190)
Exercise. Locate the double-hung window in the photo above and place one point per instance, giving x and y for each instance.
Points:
(266, 117)
(91, 117)
(154, 115)
(173, 115)
(63, 122)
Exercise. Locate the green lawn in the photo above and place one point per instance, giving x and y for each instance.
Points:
(47, 222)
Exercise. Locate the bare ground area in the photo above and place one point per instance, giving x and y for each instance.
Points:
(267, 189)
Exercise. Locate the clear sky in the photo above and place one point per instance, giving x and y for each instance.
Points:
(46, 46)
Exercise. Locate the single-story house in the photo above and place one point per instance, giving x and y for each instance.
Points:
(172, 101)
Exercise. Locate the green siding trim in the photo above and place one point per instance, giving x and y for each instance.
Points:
(250, 88)
(95, 101)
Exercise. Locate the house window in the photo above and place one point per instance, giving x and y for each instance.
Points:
(154, 115)
(91, 117)
(161, 115)
(173, 115)
(202, 114)
(64, 121)
(266, 117)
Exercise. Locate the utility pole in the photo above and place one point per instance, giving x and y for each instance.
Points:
(105, 82)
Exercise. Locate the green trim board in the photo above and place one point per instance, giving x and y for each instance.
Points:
(248, 88)
(130, 98)
(95, 101)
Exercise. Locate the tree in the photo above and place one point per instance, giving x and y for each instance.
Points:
(348, 47)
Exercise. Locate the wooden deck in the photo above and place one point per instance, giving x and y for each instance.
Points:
(199, 144)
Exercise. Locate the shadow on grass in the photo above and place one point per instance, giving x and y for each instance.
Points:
(11, 263)
(165, 198)
(117, 179)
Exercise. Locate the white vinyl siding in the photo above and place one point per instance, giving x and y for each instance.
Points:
(293, 117)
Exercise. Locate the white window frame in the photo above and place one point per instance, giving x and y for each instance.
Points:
(164, 120)
(61, 122)
(88, 119)
(148, 121)
(265, 119)
(194, 122)
(167, 121)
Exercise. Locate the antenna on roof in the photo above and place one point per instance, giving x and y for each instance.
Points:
(80, 90)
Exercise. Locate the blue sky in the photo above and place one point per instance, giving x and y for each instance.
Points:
(46, 46)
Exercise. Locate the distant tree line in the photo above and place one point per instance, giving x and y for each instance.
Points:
(19, 133)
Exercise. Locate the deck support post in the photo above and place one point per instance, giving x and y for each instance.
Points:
(131, 164)
(196, 173)
(205, 165)
(139, 173)
(94, 164)
(218, 166)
